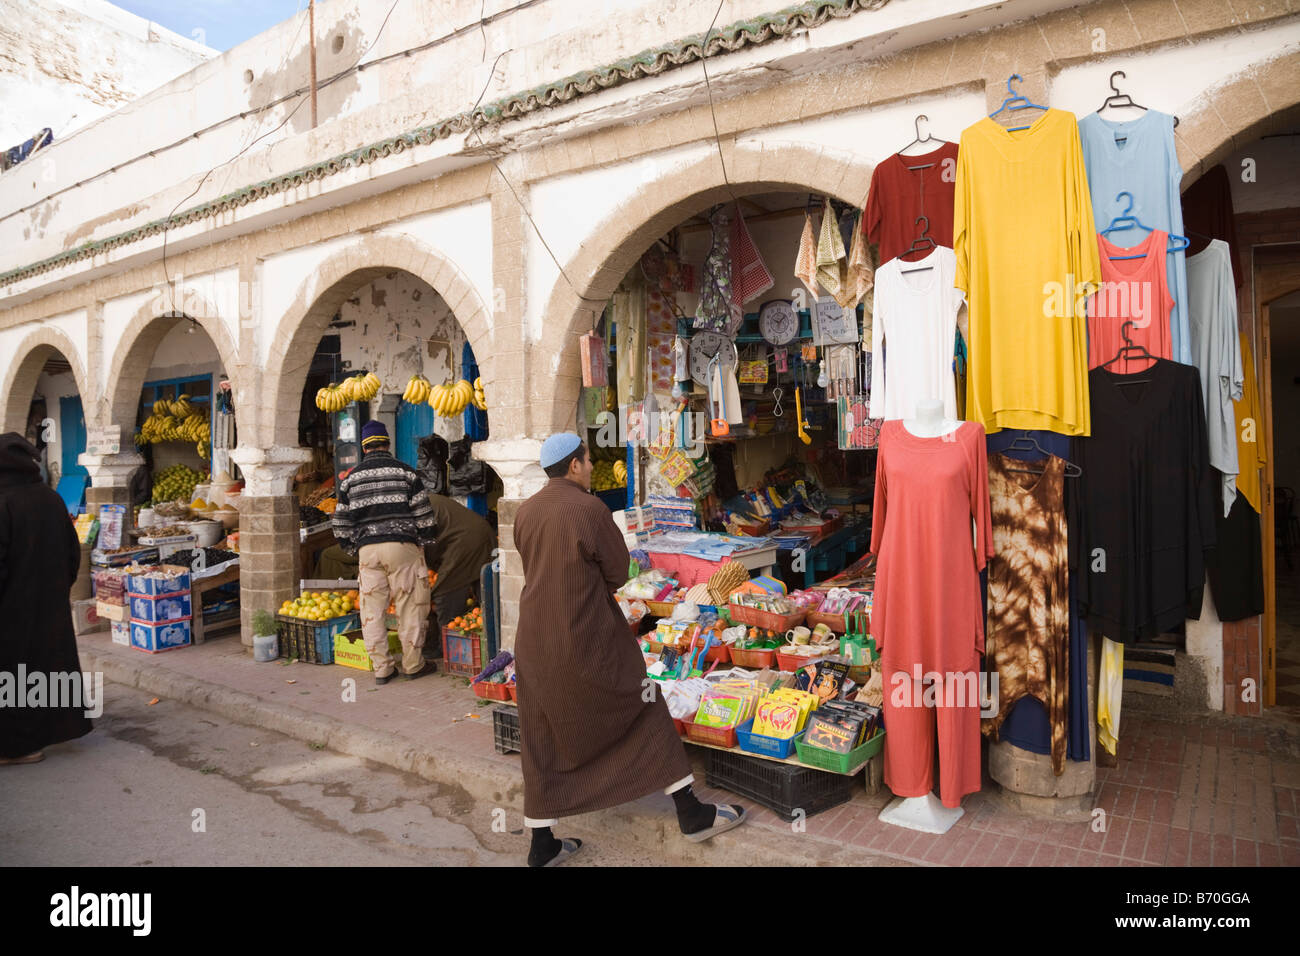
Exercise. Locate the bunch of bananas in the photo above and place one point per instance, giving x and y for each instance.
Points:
(361, 388)
(606, 475)
(417, 390)
(357, 388)
(449, 400)
(176, 420)
(330, 398)
(480, 397)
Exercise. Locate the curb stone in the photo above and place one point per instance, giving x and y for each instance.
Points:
(643, 825)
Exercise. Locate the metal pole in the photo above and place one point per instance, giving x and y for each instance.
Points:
(311, 14)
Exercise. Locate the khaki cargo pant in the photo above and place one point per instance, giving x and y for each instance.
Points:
(393, 572)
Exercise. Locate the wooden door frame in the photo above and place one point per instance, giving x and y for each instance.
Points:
(1275, 272)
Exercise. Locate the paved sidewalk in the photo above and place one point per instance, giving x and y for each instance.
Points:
(1189, 790)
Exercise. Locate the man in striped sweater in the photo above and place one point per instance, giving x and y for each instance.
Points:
(384, 517)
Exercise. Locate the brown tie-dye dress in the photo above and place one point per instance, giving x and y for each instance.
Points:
(1028, 630)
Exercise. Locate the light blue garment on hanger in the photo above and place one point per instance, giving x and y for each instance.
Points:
(1138, 157)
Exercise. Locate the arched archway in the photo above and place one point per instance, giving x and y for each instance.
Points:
(129, 367)
(322, 293)
(30, 359)
(658, 205)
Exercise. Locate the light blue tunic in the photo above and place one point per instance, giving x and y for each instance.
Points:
(1139, 157)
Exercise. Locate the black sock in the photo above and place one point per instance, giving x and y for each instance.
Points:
(692, 816)
(545, 847)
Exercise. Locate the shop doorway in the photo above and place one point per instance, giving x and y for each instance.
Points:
(44, 405)
(1276, 274)
(795, 354)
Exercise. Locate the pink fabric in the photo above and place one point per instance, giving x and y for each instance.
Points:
(1134, 289)
(686, 569)
(927, 610)
(749, 274)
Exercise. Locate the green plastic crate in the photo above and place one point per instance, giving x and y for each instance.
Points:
(839, 763)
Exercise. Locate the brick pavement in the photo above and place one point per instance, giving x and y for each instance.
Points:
(1199, 790)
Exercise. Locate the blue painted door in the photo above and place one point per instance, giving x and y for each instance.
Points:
(413, 423)
(72, 434)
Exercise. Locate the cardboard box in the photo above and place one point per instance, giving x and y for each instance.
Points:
(165, 607)
(142, 584)
(350, 650)
(121, 631)
(85, 620)
(160, 637)
(110, 612)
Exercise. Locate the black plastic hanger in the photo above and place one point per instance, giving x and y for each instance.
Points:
(1117, 98)
(1130, 347)
(920, 243)
(920, 140)
(1028, 442)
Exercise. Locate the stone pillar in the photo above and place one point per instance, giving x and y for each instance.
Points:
(269, 542)
(515, 461)
(110, 477)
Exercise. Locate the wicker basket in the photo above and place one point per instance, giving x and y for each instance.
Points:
(767, 620)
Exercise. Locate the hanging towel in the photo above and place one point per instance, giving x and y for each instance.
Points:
(805, 267)
(861, 276)
(830, 253)
(749, 274)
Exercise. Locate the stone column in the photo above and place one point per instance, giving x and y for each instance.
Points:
(268, 530)
(110, 477)
(515, 461)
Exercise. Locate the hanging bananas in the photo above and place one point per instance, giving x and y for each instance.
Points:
(417, 390)
(480, 397)
(176, 420)
(356, 388)
(448, 400)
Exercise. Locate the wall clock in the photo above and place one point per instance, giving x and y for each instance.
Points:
(705, 345)
(778, 321)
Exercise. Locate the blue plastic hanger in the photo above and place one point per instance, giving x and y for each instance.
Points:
(1015, 102)
(1127, 221)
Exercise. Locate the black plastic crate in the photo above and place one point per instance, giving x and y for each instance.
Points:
(781, 787)
(505, 729)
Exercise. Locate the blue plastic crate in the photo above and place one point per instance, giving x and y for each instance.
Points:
(767, 746)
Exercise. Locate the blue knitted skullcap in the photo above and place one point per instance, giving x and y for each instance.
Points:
(558, 447)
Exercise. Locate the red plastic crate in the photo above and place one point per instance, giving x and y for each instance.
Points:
(792, 662)
(718, 736)
(756, 658)
(491, 691)
(463, 652)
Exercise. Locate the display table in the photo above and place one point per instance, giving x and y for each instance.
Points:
(827, 553)
(200, 587)
(690, 570)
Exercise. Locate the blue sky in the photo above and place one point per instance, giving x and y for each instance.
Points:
(224, 23)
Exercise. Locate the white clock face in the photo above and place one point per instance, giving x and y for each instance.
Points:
(778, 321)
(705, 345)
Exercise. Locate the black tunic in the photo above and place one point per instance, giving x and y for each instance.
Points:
(39, 558)
(1147, 502)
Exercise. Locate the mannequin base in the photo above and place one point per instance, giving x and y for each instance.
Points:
(927, 814)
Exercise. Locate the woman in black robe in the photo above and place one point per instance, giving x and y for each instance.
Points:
(39, 559)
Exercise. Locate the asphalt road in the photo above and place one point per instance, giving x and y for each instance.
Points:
(170, 785)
